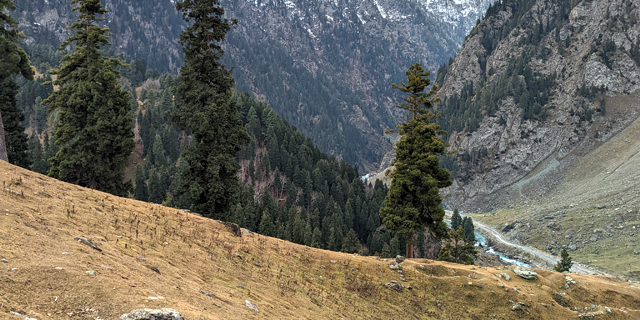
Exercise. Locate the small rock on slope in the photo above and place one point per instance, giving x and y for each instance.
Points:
(150, 314)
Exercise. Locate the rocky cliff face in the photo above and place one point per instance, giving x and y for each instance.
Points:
(325, 66)
(530, 86)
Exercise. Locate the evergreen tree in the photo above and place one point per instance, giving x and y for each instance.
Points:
(205, 108)
(308, 233)
(394, 247)
(267, 227)
(413, 201)
(316, 238)
(456, 219)
(95, 126)
(13, 140)
(386, 251)
(39, 164)
(565, 262)
(469, 229)
(351, 244)
(457, 248)
(141, 191)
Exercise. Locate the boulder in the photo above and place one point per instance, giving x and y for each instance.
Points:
(395, 285)
(234, 228)
(150, 314)
(86, 241)
(395, 266)
(251, 306)
(525, 273)
(399, 258)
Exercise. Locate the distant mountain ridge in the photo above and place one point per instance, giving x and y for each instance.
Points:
(325, 66)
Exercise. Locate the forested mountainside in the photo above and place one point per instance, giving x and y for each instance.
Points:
(143, 30)
(326, 67)
(526, 95)
(291, 189)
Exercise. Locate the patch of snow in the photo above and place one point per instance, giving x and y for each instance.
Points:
(289, 4)
(380, 9)
(311, 33)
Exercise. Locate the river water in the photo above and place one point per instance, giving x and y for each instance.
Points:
(481, 242)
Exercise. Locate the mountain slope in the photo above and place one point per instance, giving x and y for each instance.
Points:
(153, 256)
(594, 210)
(147, 31)
(326, 67)
(529, 85)
(536, 89)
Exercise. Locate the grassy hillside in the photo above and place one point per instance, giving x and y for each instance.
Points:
(154, 256)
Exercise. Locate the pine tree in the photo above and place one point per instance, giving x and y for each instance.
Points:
(386, 251)
(95, 126)
(457, 248)
(351, 244)
(456, 220)
(141, 190)
(394, 247)
(565, 262)
(205, 108)
(413, 201)
(13, 140)
(267, 227)
(316, 238)
(39, 162)
(469, 229)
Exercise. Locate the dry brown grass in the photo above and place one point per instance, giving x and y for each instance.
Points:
(40, 217)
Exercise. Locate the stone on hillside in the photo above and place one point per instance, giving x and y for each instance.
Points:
(91, 273)
(516, 307)
(4, 260)
(86, 241)
(150, 314)
(399, 258)
(234, 228)
(207, 293)
(504, 275)
(251, 306)
(394, 266)
(525, 273)
(395, 285)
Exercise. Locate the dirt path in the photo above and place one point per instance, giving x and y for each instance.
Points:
(538, 255)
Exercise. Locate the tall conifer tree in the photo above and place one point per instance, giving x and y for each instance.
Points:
(14, 61)
(95, 126)
(456, 220)
(205, 108)
(413, 201)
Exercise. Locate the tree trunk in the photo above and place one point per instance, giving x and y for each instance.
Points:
(410, 246)
(3, 145)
